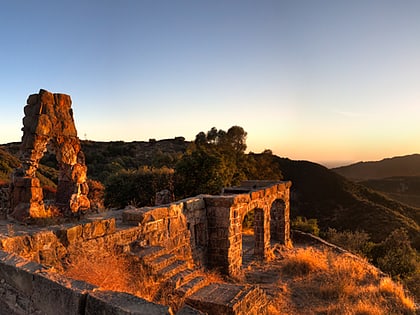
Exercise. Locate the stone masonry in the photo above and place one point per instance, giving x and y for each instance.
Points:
(49, 121)
(172, 241)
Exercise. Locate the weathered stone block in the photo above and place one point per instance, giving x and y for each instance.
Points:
(193, 204)
(219, 201)
(229, 299)
(99, 228)
(118, 303)
(242, 198)
(133, 216)
(18, 272)
(70, 235)
(55, 294)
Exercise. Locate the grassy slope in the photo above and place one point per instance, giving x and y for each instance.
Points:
(336, 202)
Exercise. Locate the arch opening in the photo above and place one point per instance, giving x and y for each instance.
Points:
(248, 237)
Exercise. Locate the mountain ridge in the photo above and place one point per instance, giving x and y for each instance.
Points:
(405, 165)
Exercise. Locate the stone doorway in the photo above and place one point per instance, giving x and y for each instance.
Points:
(248, 238)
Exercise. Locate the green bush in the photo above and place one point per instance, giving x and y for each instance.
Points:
(395, 255)
(357, 242)
(306, 225)
(138, 187)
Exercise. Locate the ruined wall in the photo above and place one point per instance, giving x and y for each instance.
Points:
(180, 227)
(27, 288)
(49, 121)
(226, 214)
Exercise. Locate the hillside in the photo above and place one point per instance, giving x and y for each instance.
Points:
(317, 192)
(408, 165)
(339, 203)
(103, 158)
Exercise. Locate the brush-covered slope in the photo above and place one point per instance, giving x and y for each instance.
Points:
(408, 165)
(320, 193)
(9, 161)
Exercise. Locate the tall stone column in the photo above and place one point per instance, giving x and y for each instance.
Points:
(49, 119)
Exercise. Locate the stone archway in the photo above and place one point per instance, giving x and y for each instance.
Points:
(49, 120)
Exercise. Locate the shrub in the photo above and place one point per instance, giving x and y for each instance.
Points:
(395, 255)
(306, 225)
(137, 187)
(355, 242)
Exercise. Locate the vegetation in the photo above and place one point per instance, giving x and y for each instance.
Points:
(137, 187)
(345, 212)
(305, 225)
(322, 282)
(121, 273)
(217, 159)
(394, 256)
(311, 281)
(405, 189)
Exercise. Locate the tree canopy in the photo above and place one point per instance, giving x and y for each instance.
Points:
(217, 159)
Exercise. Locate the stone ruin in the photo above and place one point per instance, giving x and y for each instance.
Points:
(49, 121)
(172, 241)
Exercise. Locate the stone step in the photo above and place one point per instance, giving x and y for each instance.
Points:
(148, 253)
(191, 286)
(182, 277)
(172, 269)
(161, 262)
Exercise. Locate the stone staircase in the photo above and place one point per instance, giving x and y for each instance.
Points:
(178, 275)
(187, 291)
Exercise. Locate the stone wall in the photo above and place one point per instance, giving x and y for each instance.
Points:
(180, 227)
(203, 231)
(27, 288)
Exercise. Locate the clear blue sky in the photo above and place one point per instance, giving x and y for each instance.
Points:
(316, 80)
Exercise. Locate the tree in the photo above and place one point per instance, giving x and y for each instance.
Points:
(395, 255)
(215, 160)
(138, 187)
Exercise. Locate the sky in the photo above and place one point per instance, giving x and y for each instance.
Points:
(333, 82)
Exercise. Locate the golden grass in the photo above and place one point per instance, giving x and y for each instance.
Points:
(303, 262)
(124, 274)
(112, 272)
(322, 282)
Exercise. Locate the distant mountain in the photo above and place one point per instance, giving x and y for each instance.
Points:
(336, 202)
(408, 165)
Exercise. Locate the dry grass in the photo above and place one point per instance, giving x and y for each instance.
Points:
(304, 262)
(112, 272)
(322, 282)
(125, 274)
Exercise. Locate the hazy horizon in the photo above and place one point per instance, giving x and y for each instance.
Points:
(322, 81)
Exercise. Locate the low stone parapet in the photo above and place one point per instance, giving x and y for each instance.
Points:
(29, 288)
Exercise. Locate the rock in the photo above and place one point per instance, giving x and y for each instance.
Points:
(49, 121)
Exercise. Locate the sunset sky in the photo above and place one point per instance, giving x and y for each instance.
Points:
(324, 81)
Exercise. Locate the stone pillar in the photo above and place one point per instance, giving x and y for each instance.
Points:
(277, 220)
(49, 119)
(224, 234)
(285, 237)
(261, 233)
